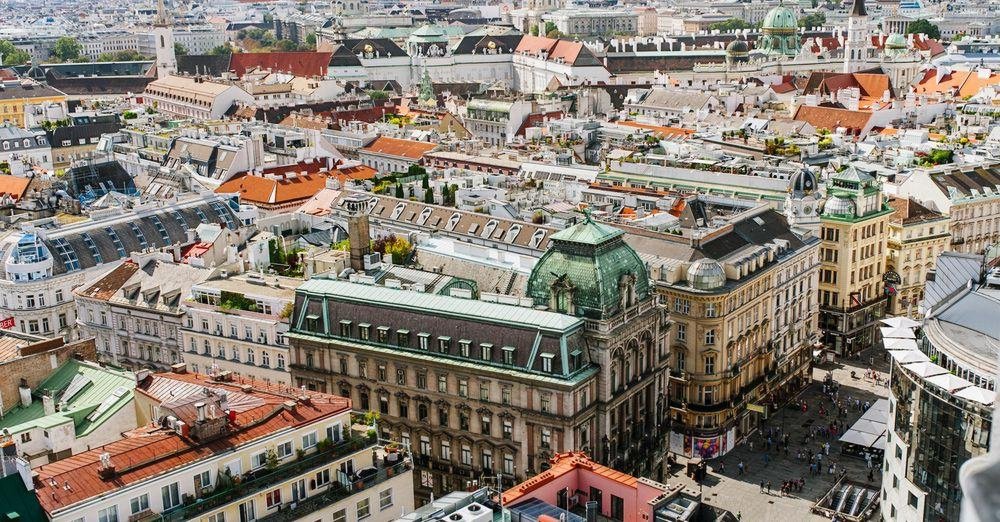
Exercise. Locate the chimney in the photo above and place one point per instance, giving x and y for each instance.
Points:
(200, 406)
(48, 404)
(358, 232)
(25, 392)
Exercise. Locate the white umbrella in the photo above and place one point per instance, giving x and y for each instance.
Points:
(949, 382)
(900, 322)
(925, 369)
(889, 332)
(977, 394)
(909, 356)
(899, 344)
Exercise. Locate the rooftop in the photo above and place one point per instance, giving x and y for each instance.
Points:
(410, 149)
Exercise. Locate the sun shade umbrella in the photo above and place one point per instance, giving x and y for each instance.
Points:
(899, 344)
(900, 322)
(889, 332)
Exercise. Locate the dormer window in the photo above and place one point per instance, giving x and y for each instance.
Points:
(453, 221)
(489, 228)
(536, 238)
(512, 233)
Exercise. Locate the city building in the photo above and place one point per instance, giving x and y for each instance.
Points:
(479, 387)
(193, 97)
(968, 195)
(572, 481)
(917, 235)
(17, 96)
(81, 405)
(388, 155)
(46, 260)
(209, 448)
(855, 232)
(594, 22)
(135, 310)
(237, 323)
(28, 360)
(30, 148)
(941, 404)
(742, 297)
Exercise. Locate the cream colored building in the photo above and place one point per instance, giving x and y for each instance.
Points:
(742, 300)
(917, 235)
(855, 232)
(213, 450)
(193, 97)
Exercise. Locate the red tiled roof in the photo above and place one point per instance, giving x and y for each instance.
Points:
(14, 186)
(152, 451)
(105, 287)
(401, 148)
(832, 117)
(661, 130)
(307, 63)
(561, 464)
(262, 190)
(957, 83)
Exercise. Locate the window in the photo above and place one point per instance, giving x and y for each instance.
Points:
(345, 328)
(442, 384)
(108, 514)
(364, 331)
(421, 380)
(466, 455)
(382, 334)
(911, 499)
(487, 460)
(463, 347)
(546, 437)
(710, 337)
(463, 387)
(422, 339)
(364, 509)
(340, 515)
(484, 391)
(203, 480)
(400, 377)
(508, 463)
(486, 351)
(680, 332)
(444, 344)
(486, 422)
(284, 449)
(403, 338)
(546, 403)
(273, 498)
(247, 512)
(505, 394)
(382, 373)
(258, 460)
(385, 499)
(508, 429)
(171, 496)
(139, 504)
(710, 310)
(322, 478)
(710, 364)
(617, 508)
(309, 440)
(218, 517)
(547, 362)
(508, 355)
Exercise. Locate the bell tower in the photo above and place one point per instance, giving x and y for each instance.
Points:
(163, 34)
(857, 37)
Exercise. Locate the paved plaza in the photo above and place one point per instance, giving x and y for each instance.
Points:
(742, 493)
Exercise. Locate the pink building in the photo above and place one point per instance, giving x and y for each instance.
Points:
(572, 480)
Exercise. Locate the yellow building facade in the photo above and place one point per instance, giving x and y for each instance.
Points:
(15, 97)
(917, 235)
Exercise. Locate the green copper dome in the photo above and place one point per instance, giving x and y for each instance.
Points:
(780, 18)
(589, 270)
(895, 41)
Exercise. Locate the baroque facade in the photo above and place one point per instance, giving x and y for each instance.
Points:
(479, 389)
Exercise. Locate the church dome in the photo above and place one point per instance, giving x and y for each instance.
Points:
(895, 41)
(838, 206)
(803, 182)
(592, 265)
(706, 274)
(737, 46)
(780, 19)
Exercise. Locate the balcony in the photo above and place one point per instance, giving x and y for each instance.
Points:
(254, 482)
(335, 492)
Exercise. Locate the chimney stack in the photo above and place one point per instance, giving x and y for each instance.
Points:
(358, 232)
(200, 406)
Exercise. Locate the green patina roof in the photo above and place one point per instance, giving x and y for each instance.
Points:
(18, 499)
(592, 258)
(102, 386)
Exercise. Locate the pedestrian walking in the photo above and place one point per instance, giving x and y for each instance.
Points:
(826, 448)
(739, 468)
(769, 487)
(762, 486)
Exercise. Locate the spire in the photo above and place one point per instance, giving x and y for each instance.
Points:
(859, 8)
(161, 15)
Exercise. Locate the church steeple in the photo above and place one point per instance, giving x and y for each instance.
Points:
(858, 9)
(162, 18)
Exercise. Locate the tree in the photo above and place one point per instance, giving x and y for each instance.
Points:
(377, 95)
(12, 55)
(922, 26)
(428, 196)
(533, 30)
(285, 45)
(425, 182)
(551, 31)
(130, 55)
(399, 190)
(416, 170)
(221, 50)
(730, 25)
(180, 50)
(66, 49)
(812, 21)
(311, 41)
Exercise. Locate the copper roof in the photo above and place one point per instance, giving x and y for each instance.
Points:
(151, 451)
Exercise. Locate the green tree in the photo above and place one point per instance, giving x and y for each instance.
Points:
(377, 95)
(425, 182)
(416, 170)
(732, 24)
(180, 50)
(130, 55)
(399, 190)
(922, 26)
(66, 49)
(285, 45)
(533, 30)
(428, 196)
(812, 21)
(311, 41)
(221, 50)
(12, 55)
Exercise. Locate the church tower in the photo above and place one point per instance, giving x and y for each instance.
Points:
(857, 37)
(163, 34)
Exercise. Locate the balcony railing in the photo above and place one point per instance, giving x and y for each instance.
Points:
(254, 482)
(335, 493)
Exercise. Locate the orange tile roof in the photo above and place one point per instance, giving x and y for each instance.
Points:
(308, 63)
(562, 464)
(260, 190)
(661, 130)
(832, 117)
(956, 83)
(151, 451)
(401, 148)
(105, 287)
(14, 186)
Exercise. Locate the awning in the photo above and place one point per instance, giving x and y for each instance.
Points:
(859, 438)
(909, 356)
(879, 443)
(977, 394)
(925, 369)
(899, 344)
(900, 322)
(949, 382)
(889, 332)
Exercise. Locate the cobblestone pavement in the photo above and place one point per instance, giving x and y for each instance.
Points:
(742, 493)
